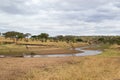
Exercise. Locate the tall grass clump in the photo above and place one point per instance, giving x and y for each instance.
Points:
(110, 50)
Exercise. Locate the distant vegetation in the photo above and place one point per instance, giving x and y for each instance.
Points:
(59, 41)
(44, 37)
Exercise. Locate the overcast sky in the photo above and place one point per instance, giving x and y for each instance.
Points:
(66, 17)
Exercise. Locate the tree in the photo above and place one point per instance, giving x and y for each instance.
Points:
(60, 37)
(79, 40)
(69, 39)
(34, 37)
(101, 40)
(13, 35)
(43, 36)
(19, 36)
(0, 34)
(27, 35)
(118, 40)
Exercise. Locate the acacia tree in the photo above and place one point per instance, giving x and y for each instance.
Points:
(79, 40)
(15, 36)
(43, 37)
(34, 37)
(70, 40)
(60, 37)
(27, 35)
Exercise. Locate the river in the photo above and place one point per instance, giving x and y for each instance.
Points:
(84, 53)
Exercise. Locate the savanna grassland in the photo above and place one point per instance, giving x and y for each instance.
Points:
(105, 66)
(36, 47)
(70, 68)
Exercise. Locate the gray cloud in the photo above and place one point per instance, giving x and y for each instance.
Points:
(79, 17)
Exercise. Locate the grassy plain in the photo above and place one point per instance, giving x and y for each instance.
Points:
(105, 66)
(70, 68)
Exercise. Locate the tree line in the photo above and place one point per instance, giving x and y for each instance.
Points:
(44, 37)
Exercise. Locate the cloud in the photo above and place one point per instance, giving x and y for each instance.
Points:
(74, 17)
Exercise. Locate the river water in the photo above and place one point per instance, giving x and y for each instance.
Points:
(84, 53)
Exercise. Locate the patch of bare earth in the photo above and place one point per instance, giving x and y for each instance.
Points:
(54, 51)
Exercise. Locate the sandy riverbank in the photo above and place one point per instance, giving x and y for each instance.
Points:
(54, 51)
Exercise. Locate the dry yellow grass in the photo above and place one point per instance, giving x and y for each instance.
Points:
(12, 68)
(70, 68)
(48, 43)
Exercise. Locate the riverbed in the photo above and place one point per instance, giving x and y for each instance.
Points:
(82, 53)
